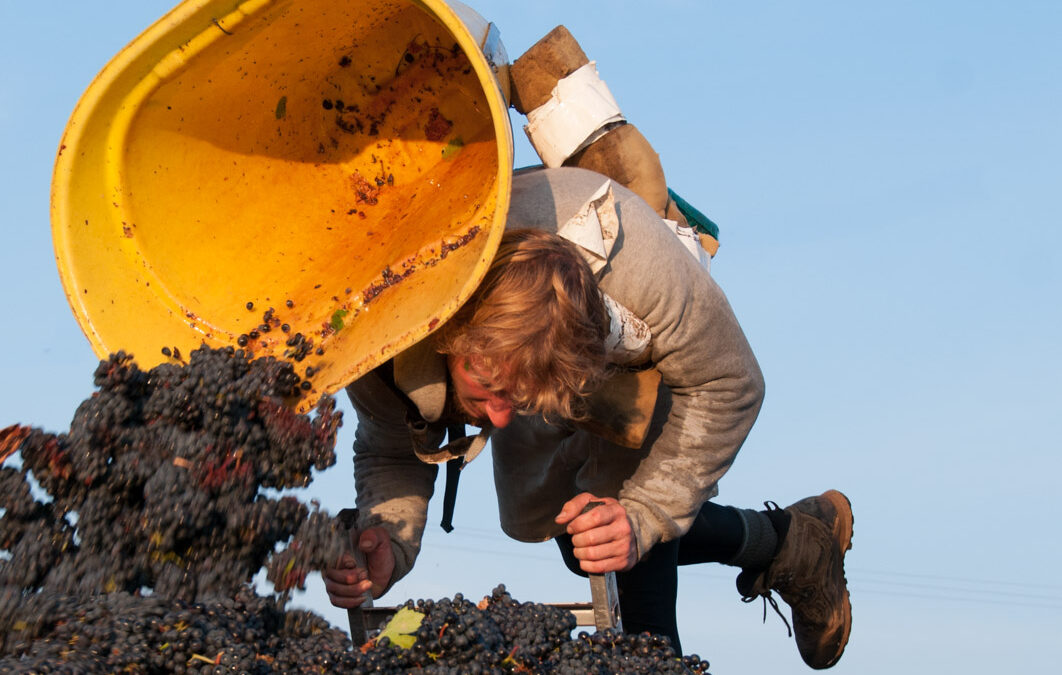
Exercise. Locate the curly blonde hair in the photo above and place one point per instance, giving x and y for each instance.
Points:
(535, 328)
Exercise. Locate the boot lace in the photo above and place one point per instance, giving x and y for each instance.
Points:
(768, 597)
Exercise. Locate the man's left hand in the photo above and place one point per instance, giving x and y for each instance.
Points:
(602, 537)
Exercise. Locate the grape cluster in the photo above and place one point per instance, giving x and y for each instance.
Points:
(611, 651)
(534, 630)
(157, 483)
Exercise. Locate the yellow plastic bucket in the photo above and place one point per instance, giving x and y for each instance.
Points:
(344, 163)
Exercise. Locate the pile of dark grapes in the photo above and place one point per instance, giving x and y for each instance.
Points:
(248, 633)
(157, 483)
(121, 632)
(136, 552)
(500, 635)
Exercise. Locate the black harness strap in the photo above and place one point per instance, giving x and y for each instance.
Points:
(453, 474)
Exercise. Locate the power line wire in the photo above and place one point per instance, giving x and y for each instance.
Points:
(1017, 584)
(859, 579)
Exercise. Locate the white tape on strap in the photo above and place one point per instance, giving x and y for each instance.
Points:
(577, 114)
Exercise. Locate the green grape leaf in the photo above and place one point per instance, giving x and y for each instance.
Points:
(402, 629)
(452, 148)
(337, 319)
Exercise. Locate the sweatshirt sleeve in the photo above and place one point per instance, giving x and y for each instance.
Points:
(704, 359)
(393, 486)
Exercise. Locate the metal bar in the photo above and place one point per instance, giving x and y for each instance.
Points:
(359, 629)
(605, 598)
(605, 595)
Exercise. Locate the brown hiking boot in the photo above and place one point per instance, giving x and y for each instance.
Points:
(808, 572)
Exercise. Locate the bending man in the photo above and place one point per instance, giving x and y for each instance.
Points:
(589, 282)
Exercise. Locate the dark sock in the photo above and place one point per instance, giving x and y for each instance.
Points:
(761, 541)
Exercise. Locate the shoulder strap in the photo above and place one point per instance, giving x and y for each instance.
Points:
(453, 452)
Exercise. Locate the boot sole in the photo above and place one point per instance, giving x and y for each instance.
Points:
(842, 530)
(843, 523)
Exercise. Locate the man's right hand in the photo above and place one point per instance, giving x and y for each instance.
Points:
(347, 584)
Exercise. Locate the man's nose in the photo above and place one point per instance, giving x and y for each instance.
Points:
(499, 411)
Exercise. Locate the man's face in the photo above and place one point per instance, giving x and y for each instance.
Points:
(475, 399)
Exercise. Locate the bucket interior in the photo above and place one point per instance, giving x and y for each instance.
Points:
(322, 181)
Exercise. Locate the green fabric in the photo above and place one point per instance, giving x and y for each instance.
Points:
(695, 218)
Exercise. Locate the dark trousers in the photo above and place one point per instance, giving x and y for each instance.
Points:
(648, 591)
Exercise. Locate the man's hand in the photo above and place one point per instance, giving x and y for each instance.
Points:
(347, 584)
(602, 537)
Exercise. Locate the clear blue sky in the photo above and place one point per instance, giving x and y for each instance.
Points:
(887, 179)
